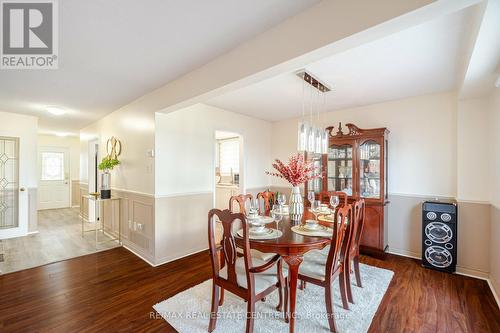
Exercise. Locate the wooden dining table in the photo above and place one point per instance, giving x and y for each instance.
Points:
(291, 247)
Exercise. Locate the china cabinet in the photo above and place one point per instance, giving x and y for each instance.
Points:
(356, 164)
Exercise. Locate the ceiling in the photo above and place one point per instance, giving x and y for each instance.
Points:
(113, 52)
(421, 60)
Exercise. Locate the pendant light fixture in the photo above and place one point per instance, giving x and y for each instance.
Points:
(311, 138)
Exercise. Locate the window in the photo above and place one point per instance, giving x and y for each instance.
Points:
(52, 166)
(229, 156)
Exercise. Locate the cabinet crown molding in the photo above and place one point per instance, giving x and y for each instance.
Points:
(354, 130)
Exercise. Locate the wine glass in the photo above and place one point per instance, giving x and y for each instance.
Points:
(311, 196)
(254, 207)
(281, 199)
(315, 208)
(334, 201)
(276, 214)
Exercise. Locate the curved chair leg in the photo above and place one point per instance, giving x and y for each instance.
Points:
(329, 308)
(281, 282)
(215, 307)
(347, 276)
(356, 271)
(250, 316)
(221, 296)
(287, 319)
(343, 291)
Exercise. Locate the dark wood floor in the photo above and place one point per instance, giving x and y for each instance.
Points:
(113, 291)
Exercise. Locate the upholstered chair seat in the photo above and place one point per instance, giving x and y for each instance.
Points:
(263, 280)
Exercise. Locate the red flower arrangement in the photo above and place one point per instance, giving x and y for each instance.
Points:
(297, 171)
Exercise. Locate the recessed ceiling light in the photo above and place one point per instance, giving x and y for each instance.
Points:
(57, 111)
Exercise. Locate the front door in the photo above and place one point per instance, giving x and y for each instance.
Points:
(9, 182)
(54, 190)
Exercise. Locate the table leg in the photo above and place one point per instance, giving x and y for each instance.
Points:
(293, 276)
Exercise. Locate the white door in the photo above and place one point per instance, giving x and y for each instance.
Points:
(54, 191)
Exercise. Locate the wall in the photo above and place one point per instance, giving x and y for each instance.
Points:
(135, 130)
(494, 151)
(73, 145)
(424, 161)
(422, 153)
(185, 147)
(25, 128)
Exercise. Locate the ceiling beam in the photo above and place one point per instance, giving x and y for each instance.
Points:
(329, 27)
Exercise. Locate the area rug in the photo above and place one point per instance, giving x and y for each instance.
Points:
(189, 311)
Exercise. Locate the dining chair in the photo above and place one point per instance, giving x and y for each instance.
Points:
(268, 198)
(322, 270)
(238, 275)
(352, 256)
(324, 197)
(241, 199)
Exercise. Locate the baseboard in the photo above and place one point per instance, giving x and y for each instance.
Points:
(137, 254)
(165, 261)
(32, 232)
(491, 283)
(470, 272)
(404, 253)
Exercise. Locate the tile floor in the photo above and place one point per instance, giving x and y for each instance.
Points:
(59, 238)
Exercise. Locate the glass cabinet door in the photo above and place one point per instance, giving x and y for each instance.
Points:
(315, 185)
(369, 170)
(340, 169)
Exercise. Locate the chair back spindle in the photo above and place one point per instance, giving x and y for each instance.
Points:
(268, 199)
(241, 199)
(338, 246)
(226, 250)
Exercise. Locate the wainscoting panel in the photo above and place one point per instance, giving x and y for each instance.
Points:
(136, 215)
(181, 225)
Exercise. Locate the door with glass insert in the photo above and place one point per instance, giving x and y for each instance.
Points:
(9, 182)
(369, 169)
(340, 168)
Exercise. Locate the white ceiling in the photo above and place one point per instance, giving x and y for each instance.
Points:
(420, 60)
(112, 52)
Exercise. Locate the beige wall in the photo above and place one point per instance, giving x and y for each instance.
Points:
(473, 169)
(494, 152)
(422, 142)
(185, 140)
(185, 182)
(135, 130)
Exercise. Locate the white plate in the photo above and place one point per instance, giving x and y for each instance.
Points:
(319, 227)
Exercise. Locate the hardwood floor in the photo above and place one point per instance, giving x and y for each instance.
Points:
(113, 291)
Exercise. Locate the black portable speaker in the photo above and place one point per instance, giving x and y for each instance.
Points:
(439, 235)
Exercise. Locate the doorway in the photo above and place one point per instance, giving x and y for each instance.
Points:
(228, 167)
(54, 184)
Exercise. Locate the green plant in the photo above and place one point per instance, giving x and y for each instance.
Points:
(108, 163)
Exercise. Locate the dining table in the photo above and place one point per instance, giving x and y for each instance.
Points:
(291, 246)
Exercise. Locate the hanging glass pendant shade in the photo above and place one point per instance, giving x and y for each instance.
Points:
(317, 141)
(302, 136)
(311, 139)
(324, 142)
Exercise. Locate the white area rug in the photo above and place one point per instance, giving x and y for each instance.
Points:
(189, 311)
